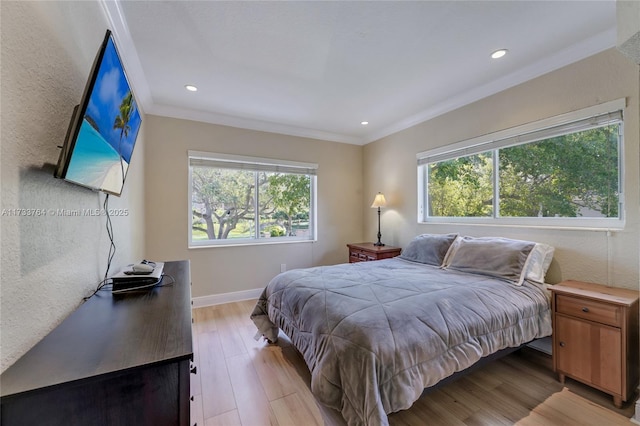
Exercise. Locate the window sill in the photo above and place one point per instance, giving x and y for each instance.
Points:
(205, 245)
(604, 225)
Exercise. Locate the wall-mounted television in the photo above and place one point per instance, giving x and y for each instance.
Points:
(102, 133)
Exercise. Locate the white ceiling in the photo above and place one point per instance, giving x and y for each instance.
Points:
(318, 68)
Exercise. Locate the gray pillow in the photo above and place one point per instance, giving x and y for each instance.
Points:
(497, 257)
(430, 249)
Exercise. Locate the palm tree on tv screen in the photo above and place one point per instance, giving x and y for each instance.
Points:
(122, 122)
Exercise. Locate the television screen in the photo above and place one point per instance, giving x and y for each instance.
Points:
(103, 130)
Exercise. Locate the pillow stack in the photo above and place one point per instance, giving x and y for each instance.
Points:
(504, 258)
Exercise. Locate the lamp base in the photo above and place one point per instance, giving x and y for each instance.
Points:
(379, 243)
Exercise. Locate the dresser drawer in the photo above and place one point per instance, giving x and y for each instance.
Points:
(592, 310)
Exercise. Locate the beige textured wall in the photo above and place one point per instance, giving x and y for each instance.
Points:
(49, 263)
(218, 270)
(390, 166)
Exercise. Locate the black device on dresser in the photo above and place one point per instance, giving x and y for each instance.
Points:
(119, 359)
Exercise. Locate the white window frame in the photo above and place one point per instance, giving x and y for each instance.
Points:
(255, 164)
(518, 135)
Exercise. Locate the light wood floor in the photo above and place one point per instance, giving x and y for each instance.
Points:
(245, 382)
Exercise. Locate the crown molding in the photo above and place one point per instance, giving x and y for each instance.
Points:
(588, 47)
(250, 124)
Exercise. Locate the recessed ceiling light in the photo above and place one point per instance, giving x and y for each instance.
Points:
(191, 88)
(499, 53)
(364, 123)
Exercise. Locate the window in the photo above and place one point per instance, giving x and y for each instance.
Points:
(246, 200)
(564, 171)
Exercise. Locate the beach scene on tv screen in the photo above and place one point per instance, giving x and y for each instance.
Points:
(107, 135)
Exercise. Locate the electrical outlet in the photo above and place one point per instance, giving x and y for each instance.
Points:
(283, 267)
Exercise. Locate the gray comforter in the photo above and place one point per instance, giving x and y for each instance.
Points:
(375, 334)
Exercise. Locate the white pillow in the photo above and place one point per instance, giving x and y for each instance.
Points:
(538, 263)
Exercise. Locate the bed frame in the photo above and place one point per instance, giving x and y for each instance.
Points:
(481, 363)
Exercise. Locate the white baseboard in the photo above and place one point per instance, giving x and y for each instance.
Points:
(218, 299)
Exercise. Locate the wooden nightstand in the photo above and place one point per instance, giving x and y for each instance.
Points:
(365, 252)
(595, 336)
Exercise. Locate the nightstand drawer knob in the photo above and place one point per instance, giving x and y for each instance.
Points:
(585, 309)
(562, 344)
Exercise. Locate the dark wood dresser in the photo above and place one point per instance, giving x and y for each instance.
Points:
(366, 252)
(119, 359)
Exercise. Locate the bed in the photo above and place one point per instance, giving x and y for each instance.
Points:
(376, 334)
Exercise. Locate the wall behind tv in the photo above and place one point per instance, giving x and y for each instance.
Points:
(50, 262)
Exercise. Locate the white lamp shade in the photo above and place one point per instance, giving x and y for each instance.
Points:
(379, 201)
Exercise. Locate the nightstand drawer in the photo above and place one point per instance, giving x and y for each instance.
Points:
(592, 310)
(366, 252)
(360, 256)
